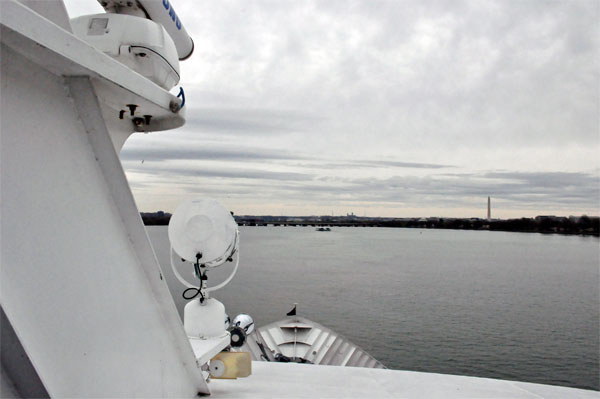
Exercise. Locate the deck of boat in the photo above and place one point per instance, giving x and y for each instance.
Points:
(279, 380)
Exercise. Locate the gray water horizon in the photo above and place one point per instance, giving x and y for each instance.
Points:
(515, 306)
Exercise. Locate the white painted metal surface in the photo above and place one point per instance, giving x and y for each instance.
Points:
(52, 10)
(164, 13)
(80, 283)
(7, 388)
(206, 349)
(204, 320)
(63, 54)
(138, 43)
(293, 380)
(161, 11)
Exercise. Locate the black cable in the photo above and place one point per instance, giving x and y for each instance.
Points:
(197, 291)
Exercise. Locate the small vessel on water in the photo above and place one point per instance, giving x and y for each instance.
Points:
(86, 311)
(323, 229)
(300, 340)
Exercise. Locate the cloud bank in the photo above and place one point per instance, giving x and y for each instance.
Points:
(397, 108)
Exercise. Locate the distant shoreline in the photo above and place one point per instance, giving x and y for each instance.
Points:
(572, 225)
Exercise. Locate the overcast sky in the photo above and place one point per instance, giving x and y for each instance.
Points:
(383, 108)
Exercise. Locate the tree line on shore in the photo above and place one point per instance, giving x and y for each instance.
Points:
(583, 225)
(541, 224)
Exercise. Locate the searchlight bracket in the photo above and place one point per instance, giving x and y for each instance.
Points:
(204, 233)
(200, 273)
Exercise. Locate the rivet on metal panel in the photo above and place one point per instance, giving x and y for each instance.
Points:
(174, 106)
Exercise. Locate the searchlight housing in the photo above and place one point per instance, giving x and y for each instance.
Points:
(205, 227)
(204, 233)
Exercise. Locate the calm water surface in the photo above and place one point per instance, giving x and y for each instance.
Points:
(490, 304)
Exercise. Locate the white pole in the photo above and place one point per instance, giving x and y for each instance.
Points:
(294, 343)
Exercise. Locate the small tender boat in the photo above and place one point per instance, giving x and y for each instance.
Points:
(300, 340)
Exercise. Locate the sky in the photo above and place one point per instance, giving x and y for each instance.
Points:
(381, 108)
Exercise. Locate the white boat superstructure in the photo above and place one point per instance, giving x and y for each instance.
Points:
(86, 311)
(80, 287)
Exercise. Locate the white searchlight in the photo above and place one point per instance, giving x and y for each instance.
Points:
(203, 232)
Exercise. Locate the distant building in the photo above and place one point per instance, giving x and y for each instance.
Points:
(489, 215)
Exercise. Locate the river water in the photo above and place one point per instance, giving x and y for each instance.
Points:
(516, 306)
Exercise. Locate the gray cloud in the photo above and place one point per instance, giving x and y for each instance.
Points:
(544, 187)
(229, 173)
(379, 164)
(249, 121)
(512, 189)
(390, 94)
(188, 152)
(549, 179)
(392, 75)
(195, 151)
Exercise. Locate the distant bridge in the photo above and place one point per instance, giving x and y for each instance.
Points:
(312, 224)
